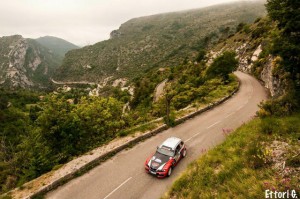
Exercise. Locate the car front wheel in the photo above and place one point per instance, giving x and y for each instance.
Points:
(170, 171)
(184, 153)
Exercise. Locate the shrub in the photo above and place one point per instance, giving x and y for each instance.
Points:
(223, 65)
(171, 121)
(282, 106)
(269, 125)
(240, 27)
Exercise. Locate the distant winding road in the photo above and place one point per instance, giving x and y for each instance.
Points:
(123, 176)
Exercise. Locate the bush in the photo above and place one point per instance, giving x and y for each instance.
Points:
(201, 55)
(282, 106)
(171, 121)
(240, 27)
(269, 125)
(223, 65)
(293, 161)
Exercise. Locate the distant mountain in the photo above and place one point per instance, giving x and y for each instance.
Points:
(24, 63)
(29, 63)
(56, 45)
(156, 41)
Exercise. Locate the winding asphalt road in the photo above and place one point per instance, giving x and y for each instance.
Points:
(123, 176)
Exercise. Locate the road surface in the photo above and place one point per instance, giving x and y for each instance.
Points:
(123, 176)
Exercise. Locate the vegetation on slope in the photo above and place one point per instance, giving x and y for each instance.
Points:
(56, 45)
(191, 83)
(156, 41)
(263, 154)
(39, 132)
(54, 128)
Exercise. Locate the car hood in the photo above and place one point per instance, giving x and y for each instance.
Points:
(158, 160)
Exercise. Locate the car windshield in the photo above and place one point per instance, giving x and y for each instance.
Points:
(165, 151)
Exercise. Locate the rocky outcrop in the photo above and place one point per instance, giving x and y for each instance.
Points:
(115, 34)
(159, 90)
(272, 82)
(247, 57)
(13, 71)
(24, 63)
(246, 62)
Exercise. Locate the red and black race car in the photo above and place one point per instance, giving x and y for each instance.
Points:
(166, 157)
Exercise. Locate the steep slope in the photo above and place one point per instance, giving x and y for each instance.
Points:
(252, 44)
(158, 40)
(24, 63)
(264, 154)
(56, 45)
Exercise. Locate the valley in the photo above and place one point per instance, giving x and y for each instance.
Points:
(60, 103)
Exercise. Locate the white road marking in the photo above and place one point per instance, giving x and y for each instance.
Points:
(188, 139)
(213, 124)
(117, 188)
(240, 107)
(230, 114)
(192, 137)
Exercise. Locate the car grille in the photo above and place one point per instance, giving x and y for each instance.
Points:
(152, 169)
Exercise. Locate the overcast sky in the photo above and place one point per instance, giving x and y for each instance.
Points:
(81, 22)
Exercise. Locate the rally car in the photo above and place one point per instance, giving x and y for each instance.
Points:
(166, 157)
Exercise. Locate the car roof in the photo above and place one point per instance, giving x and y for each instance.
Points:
(171, 142)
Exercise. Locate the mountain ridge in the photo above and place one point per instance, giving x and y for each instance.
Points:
(57, 45)
(155, 41)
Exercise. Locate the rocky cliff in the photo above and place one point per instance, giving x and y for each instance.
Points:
(24, 63)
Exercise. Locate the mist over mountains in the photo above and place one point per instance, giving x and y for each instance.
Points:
(156, 41)
(138, 45)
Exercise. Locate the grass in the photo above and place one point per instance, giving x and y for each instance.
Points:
(241, 166)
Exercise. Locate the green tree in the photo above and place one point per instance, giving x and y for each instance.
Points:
(71, 129)
(240, 26)
(58, 127)
(223, 65)
(287, 15)
(100, 119)
(201, 55)
(169, 95)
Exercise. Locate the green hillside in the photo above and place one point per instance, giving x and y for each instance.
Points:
(56, 45)
(158, 40)
(263, 154)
